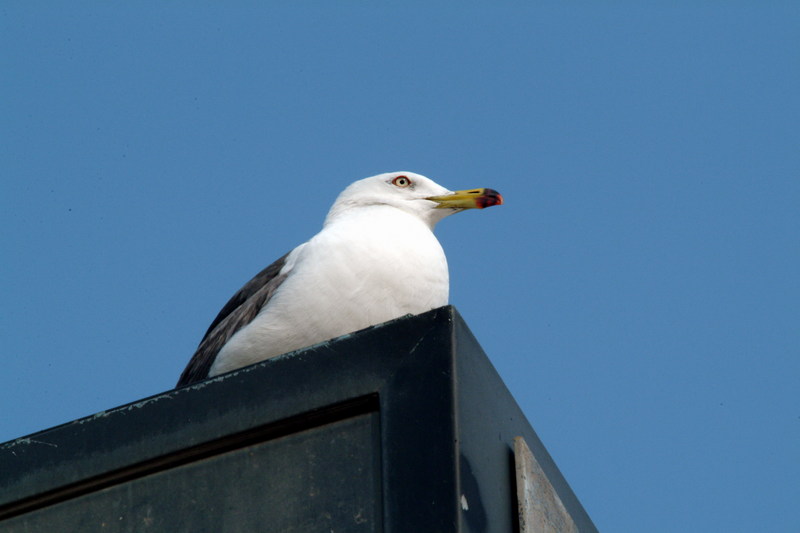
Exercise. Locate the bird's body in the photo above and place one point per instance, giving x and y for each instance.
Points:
(375, 259)
(353, 293)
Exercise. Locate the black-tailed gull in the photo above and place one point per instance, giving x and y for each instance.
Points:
(375, 259)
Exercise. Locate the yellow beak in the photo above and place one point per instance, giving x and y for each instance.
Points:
(469, 199)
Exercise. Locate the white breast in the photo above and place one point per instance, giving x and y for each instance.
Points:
(371, 265)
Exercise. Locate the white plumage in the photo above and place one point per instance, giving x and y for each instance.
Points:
(375, 259)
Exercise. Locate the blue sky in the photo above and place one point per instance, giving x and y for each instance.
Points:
(638, 292)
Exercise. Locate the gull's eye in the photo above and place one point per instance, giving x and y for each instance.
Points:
(401, 181)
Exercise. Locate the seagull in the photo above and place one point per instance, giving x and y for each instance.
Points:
(375, 259)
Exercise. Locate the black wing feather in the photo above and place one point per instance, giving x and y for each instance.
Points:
(240, 310)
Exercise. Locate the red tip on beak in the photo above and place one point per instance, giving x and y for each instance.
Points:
(489, 198)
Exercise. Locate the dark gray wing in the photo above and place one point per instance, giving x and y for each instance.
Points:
(240, 310)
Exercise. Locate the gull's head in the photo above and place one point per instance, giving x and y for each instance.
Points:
(412, 193)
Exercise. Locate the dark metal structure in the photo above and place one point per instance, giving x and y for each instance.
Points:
(403, 428)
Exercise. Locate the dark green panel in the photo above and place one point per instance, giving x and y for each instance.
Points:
(403, 427)
(489, 419)
(325, 478)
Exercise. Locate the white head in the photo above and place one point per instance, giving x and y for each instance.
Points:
(412, 193)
